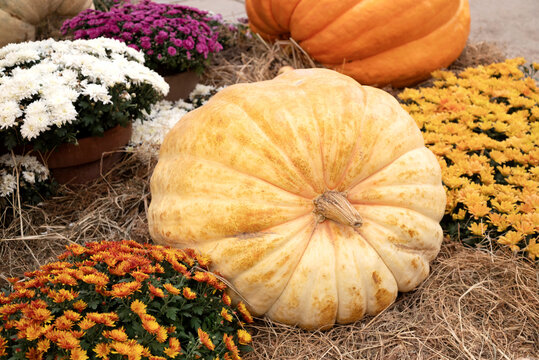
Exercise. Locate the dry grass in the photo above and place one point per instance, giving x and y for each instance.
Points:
(475, 304)
(482, 53)
(111, 208)
(254, 59)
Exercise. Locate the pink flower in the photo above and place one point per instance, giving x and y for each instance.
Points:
(189, 43)
(171, 50)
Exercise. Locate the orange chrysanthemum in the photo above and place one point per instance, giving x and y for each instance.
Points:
(226, 315)
(72, 315)
(140, 276)
(62, 295)
(230, 345)
(226, 299)
(86, 324)
(125, 289)
(102, 350)
(42, 315)
(107, 319)
(3, 346)
(205, 339)
(244, 312)
(132, 349)
(162, 334)
(156, 291)
(171, 289)
(150, 324)
(188, 293)
(42, 345)
(80, 305)
(66, 279)
(244, 337)
(173, 349)
(33, 354)
(138, 307)
(63, 323)
(116, 334)
(78, 354)
(200, 276)
(66, 340)
(98, 279)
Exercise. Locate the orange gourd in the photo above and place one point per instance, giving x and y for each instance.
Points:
(377, 42)
(313, 195)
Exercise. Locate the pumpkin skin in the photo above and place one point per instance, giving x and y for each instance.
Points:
(18, 18)
(238, 177)
(377, 42)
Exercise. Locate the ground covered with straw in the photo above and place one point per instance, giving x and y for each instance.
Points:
(476, 304)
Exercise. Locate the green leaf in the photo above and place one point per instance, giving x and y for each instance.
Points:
(171, 313)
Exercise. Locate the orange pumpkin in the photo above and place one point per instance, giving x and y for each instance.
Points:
(377, 42)
(313, 195)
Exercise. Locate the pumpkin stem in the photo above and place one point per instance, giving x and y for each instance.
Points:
(335, 206)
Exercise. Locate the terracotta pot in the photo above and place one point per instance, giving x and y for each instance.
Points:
(93, 156)
(181, 85)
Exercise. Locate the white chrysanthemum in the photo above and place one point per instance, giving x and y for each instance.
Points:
(19, 87)
(139, 73)
(163, 116)
(31, 170)
(63, 113)
(56, 78)
(201, 90)
(29, 177)
(8, 184)
(97, 92)
(23, 55)
(9, 112)
(37, 119)
(30, 163)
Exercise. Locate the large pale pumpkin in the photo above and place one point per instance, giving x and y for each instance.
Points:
(18, 18)
(377, 42)
(313, 195)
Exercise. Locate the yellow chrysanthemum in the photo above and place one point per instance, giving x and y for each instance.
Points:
(533, 249)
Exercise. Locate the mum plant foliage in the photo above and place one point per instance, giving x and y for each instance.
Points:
(54, 92)
(122, 300)
(483, 126)
(173, 38)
